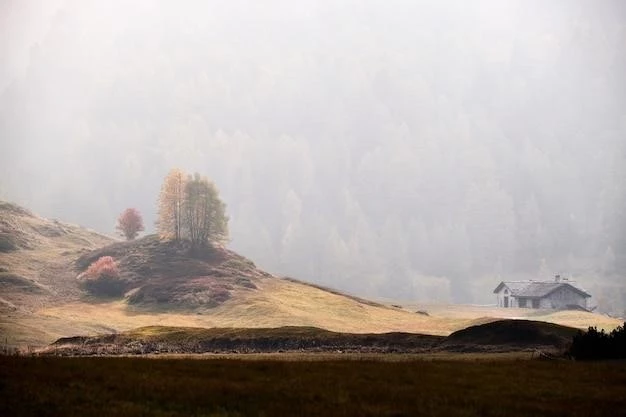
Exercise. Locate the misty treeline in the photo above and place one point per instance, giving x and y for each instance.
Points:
(412, 149)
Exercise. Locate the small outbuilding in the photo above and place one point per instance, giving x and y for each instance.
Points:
(557, 295)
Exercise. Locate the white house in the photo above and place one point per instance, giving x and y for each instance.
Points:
(558, 294)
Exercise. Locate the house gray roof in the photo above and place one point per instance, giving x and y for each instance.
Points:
(537, 289)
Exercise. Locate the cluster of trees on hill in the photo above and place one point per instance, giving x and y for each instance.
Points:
(422, 150)
(190, 208)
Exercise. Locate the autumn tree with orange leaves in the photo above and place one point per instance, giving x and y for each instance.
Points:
(130, 223)
(171, 200)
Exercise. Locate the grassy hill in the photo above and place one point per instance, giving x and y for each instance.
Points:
(159, 339)
(174, 276)
(498, 336)
(165, 284)
(168, 284)
(509, 334)
(36, 258)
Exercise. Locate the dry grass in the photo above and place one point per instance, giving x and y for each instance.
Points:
(459, 316)
(178, 387)
(277, 303)
(579, 319)
(288, 303)
(44, 256)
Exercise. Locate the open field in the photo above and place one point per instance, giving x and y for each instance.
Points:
(231, 387)
(277, 303)
(463, 315)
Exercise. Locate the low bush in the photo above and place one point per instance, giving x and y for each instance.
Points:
(594, 344)
(102, 277)
(7, 244)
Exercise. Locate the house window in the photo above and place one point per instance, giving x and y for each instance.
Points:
(522, 302)
(535, 303)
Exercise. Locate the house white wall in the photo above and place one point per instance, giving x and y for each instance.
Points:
(500, 296)
(563, 297)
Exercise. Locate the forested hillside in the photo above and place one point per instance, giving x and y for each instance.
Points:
(412, 149)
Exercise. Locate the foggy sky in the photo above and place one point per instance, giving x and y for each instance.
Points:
(412, 149)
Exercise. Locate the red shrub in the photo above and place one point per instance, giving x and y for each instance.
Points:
(105, 266)
(103, 278)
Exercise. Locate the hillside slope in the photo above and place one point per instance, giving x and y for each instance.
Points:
(165, 284)
(175, 276)
(36, 258)
(168, 284)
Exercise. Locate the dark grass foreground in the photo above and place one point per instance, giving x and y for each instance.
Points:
(53, 386)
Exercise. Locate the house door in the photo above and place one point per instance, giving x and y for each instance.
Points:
(506, 301)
